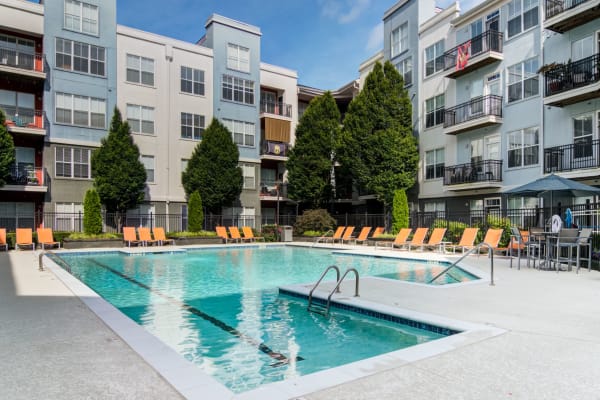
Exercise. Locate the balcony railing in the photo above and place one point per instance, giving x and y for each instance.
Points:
(490, 105)
(555, 7)
(26, 175)
(572, 75)
(584, 153)
(275, 148)
(281, 109)
(22, 60)
(474, 172)
(23, 117)
(273, 189)
(458, 57)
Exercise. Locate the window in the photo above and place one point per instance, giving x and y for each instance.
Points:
(140, 118)
(68, 217)
(522, 15)
(434, 164)
(143, 215)
(17, 215)
(184, 164)
(148, 162)
(192, 81)
(71, 162)
(140, 70)
(523, 147)
(80, 110)
(81, 17)
(192, 126)
(583, 130)
(582, 48)
(239, 216)
(523, 80)
(434, 111)
(80, 57)
(238, 58)
(437, 207)
(399, 39)
(243, 132)
(249, 172)
(434, 58)
(238, 90)
(405, 69)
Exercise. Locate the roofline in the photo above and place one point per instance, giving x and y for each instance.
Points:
(454, 8)
(219, 19)
(276, 69)
(475, 11)
(163, 40)
(371, 60)
(394, 8)
(23, 5)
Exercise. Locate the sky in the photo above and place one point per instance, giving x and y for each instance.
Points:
(325, 41)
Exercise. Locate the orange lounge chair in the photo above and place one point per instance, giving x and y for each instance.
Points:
(337, 235)
(45, 238)
(378, 231)
(436, 239)
(24, 238)
(400, 240)
(145, 236)
(467, 240)
(3, 242)
(222, 233)
(363, 236)
(348, 234)
(249, 235)
(235, 234)
(130, 237)
(159, 234)
(492, 237)
(418, 238)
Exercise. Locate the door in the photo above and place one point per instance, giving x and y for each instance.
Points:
(492, 27)
(493, 165)
(476, 105)
(476, 38)
(493, 105)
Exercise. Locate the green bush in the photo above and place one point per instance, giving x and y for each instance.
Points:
(455, 228)
(87, 236)
(195, 213)
(270, 233)
(314, 220)
(187, 234)
(399, 211)
(313, 233)
(92, 213)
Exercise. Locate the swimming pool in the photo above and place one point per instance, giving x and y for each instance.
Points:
(221, 310)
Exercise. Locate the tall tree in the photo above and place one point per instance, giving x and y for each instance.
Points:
(213, 169)
(311, 160)
(119, 175)
(195, 213)
(92, 213)
(7, 151)
(378, 146)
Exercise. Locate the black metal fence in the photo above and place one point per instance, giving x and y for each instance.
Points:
(482, 106)
(555, 7)
(478, 171)
(486, 42)
(572, 75)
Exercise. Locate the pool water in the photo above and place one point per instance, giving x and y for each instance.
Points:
(221, 309)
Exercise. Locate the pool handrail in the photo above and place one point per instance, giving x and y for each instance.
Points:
(310, 294)
(490, 249)
(337, 288)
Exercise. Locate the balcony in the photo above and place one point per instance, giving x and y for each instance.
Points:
(477, 113)
(564, 15)
(22, 63)
(481, 50)
(26, 179)
(24, 120)
(474, 175)
(273, 191)
(277, 109)
(572, 82)
(274, 150)
(583, 154)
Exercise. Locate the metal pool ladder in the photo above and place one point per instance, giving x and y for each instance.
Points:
(490, 249)
(318, 308)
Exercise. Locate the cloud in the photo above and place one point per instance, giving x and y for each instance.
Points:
(343, 11)
(375, 40)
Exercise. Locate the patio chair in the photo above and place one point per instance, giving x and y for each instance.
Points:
(492, 238)
(377, 232)
(337, 235)
(45, 238)
(145, 236)
(436, 239)
(536, 242)
(418, 238)
(347, 234)
(467, 240)
(24, 238)
(235, 234)
(400, 241)
(159, 234)
(130, 237)
(249, 235)
(584, 240)
(3, 243)
(566, 239)
(519, 241)
(363, 236)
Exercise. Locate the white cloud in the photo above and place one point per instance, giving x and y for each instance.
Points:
(343, 11)
(375, 40)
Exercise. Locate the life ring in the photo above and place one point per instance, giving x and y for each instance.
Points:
(556, 223)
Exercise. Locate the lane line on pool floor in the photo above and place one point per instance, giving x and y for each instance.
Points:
(281, 359)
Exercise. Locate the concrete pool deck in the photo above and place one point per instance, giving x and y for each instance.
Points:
(52, 346)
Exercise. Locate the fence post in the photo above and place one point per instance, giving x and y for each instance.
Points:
(80, 221)
(151, 221)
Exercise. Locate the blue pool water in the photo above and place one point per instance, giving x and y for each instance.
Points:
(220, 308)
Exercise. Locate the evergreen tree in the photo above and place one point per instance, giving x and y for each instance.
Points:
(378, 146)
(92, 213)
(119, 175)
(195, 213)
(311, 160)
(213, 169)
(400, 211)
(7, 151)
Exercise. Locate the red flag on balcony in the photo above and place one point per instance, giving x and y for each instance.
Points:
(463, 55)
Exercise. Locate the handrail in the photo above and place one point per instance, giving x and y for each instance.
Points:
(491, 250)
(337, 270)
(337, 287)
(46, 252)
(324, 237)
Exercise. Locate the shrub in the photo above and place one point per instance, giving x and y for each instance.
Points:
(88, 236)
(195, 213)
(92, 213)
(270, 233)
(399, 211)
(186, 234)
(455, 228)
(314, 220)
(313, 233)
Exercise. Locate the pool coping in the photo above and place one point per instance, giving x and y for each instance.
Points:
(191, 382)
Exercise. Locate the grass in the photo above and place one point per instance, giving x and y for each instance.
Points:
(186, 234)
(85, 236)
